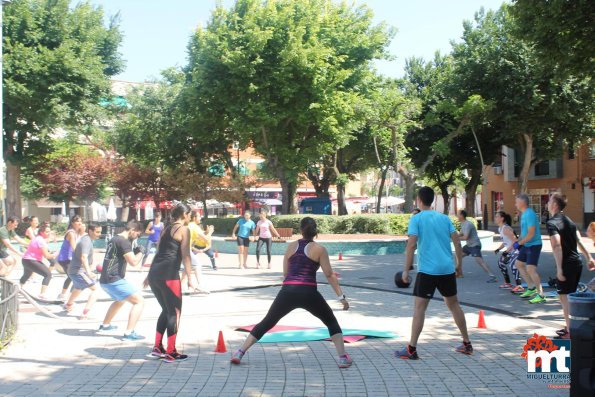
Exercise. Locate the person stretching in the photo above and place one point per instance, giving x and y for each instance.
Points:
(432, 233)
(65, 254)
(265, 231)
(164, 280)
(473, 246)
(508, 257)
(529, 246)
(302, 260)
(32, 260)
(119, 254)
(7, 233)
(80, 271)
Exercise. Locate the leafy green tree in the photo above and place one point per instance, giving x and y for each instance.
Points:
(283, 75)
(562, 31)
(532, 108)
(57, 62)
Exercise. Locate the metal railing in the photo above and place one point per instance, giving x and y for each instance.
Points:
(9, 310)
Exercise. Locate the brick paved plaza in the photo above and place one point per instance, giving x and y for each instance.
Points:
(68, 357)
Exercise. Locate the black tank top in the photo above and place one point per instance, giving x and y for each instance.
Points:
(167, 261)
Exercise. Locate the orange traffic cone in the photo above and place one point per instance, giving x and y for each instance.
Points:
(216, 254)
(481, 323)
(220, 344)
(340, 256)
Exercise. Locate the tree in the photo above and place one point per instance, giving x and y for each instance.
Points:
(562, 32)
(531, 107)
(283, 75)
(72, 172)
(57, 61)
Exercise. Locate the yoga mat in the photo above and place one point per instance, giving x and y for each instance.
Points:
(306, 335)
(276, 328)
(544, 285)
(351, 338)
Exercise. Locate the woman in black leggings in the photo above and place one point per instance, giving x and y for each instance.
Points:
(265, 231)
(302, 260)
(32, 260)
(164, 279)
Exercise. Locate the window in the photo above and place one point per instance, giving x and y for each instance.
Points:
(497, 203)
(542, 168)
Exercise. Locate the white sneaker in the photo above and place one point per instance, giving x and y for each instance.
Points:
(61, 297)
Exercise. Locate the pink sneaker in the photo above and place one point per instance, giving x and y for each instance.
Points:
(506, 286)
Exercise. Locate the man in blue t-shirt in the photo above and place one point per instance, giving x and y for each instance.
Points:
(244, 227)
(529, 246)
(431, 233)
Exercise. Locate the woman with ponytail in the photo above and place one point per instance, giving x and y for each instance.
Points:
(164, 279)
(508, 258)
(302, 260)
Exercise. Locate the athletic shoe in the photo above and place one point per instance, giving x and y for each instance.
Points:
(68, 308)
(562, 331)
(133, 336)
(174, 357)
(237, 357)
(465, 349)
(537, 299)
(107, 327)
(42, 297)
(61, 297)
(405, 354)
(506, 286)
(214, 267)
(566, 336)
(517, 290)
(345, 361)
(157, 352)
(528, 293)
(492, 279)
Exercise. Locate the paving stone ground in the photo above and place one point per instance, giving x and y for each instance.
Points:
(68, 357)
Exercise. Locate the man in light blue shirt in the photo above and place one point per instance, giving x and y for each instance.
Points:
(431, 233)
(529, 246)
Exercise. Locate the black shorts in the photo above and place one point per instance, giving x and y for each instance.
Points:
(426, 285)
(243, 241)
(4, 255)
(572, 273)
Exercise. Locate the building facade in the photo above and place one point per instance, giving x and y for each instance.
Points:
(573, 175)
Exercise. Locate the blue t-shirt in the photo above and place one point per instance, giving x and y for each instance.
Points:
(433, 232)
(245, 227)
(529, 218)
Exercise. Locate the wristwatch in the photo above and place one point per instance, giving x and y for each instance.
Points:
(341, 297)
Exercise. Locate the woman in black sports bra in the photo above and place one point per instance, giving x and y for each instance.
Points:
(164, 280)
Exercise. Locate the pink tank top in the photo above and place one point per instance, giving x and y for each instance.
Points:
(34, 250)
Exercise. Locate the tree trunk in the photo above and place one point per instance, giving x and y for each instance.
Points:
(321, 184)
(341, 206)
(527, 161)
(288, 190)
(205, 211)
(409, 179)
(445, 197)
(381, 189)
(67, 208)
(13, 190)
(471, 191)
(125, 213)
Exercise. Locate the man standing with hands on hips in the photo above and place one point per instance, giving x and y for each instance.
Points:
(431, 233)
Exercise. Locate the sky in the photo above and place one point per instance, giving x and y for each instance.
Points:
(156, 32)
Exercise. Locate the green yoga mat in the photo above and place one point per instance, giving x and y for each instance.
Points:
(306, 335)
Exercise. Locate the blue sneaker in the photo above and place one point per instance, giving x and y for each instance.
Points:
(107, 327)
(133, 336)
(405, 354)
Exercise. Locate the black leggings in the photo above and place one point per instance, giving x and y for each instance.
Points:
(261, 241)
(68, 281)
(169, 296)
(31, 266)
(297, 297)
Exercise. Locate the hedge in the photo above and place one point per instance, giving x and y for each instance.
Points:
(332, 224)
